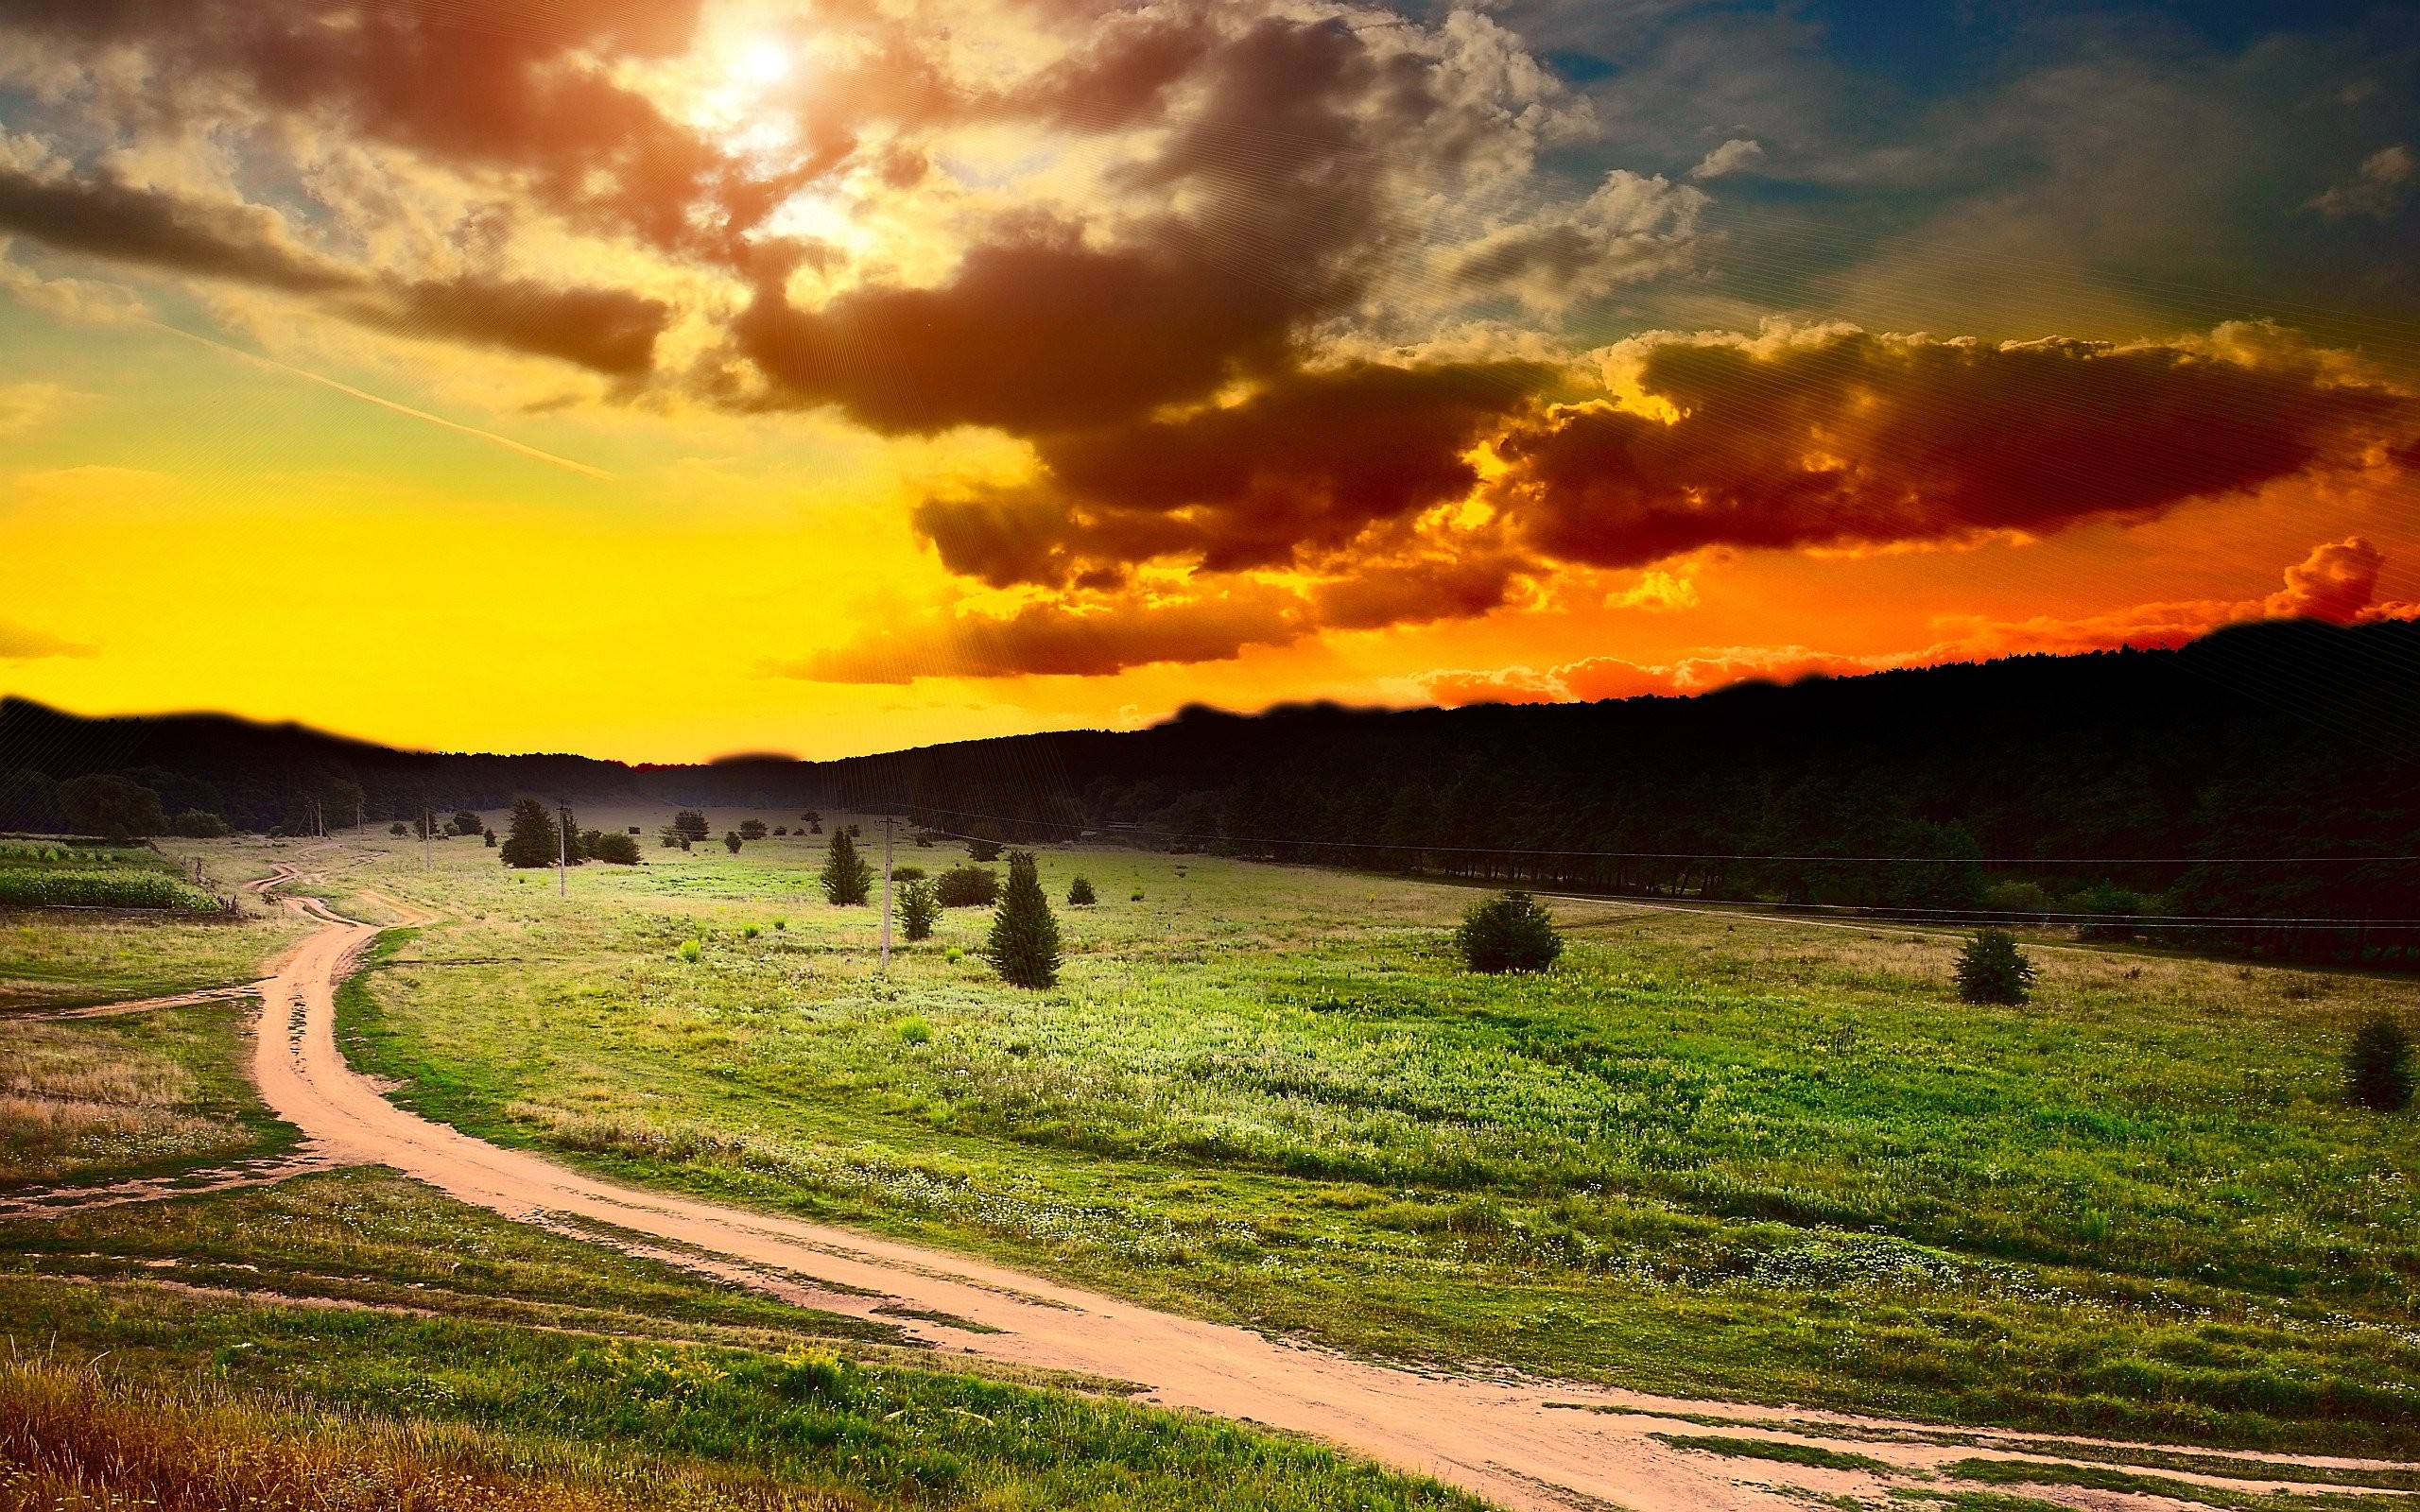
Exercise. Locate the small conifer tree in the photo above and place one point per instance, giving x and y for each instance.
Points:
(731, 838)
(919, 907)
(532, 839)
(847, 878)
(1509, 933)
(2378, 1065)
(691, 823)
(1080, 894)
(1992, 970)
(1024, 947)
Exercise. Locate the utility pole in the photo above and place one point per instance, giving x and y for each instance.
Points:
(562, 849)
(886, 892)
(427, 828)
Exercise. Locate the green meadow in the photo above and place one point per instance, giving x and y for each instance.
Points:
(1703, 1155)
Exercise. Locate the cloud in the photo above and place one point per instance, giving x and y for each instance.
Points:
(26, 407)
(1837, 437)
(1629, 228)
(21, 643)
(1732, 157)
(1051, 640)
(1305, 464)
(2386, 179)
(2336, 582)
(610, 331)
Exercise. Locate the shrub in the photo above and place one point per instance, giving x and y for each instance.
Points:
(691, 823)
(1509, 933)
(780, 829)
(847, 878)
(969, 887)
(490, 838)
(983, 849)
(730, 841)
(533, 840)
(905, 873)
(1023, 945)
(199, 824)
(1992, 970)
(2378, 1065)
(1080, 894)
(2117, 903)
(399, 829)
(749, 931)
(618, 849)
(111, 806)
(690, 949)
(2017, 898)
(920, 907)
(913, 1030)
(467, 823)
(752, 829)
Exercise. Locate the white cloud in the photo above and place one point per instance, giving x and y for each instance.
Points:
(2386, 179)
(1734, 155)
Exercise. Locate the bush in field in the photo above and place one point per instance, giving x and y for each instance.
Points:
(2119, 907)
(732, 841)
(615, 849)
(1080, 894)
(1992, 970)
(969, 887)
(199, 824)
(111, 806)
(692, 824)
(1509, 933)
(532, 841)
(983, 849)
(115, 888)
(780, 829)
(905, 873)
(2378, 1065)
(1024, 944)
(752, 829)
(399, 829)
(2017, 898)
(468, 822)
(847, 878)
(920, 907)
(489, 837)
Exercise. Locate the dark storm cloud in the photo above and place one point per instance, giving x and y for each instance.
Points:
(1859, 438)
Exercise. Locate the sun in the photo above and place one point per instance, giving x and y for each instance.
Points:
(763, 61)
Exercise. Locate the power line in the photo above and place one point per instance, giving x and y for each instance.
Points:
(1444, 847)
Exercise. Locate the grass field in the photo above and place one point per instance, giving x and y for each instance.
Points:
(454, 1360)
(51, 959)
(1704, 1155)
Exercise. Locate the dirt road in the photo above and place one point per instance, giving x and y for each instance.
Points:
(1522, 1445)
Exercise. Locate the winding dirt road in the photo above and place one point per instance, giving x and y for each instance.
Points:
(1528, 1446)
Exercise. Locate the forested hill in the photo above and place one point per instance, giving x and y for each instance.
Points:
(2280, 740)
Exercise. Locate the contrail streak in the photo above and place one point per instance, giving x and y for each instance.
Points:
(366, 397)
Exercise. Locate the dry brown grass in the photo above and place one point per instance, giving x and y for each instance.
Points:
(77, 1099)
(70, 1442)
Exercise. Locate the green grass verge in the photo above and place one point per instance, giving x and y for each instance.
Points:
(1702, 1156)
(1811, 1455)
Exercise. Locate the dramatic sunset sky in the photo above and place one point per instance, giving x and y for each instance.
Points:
(667, 378)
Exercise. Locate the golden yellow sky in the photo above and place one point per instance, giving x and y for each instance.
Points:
(823, 380)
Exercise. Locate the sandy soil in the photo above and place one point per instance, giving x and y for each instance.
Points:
(1528, 1445)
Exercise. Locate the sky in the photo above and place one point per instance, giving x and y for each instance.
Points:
(667, 379)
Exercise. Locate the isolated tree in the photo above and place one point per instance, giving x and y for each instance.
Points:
(919, 906)
(691, 823)
(847, 878)
(1509, 933)
(732, 841)
(1080, 894)
(489, 835)
(399, 829)
(532, 840)
(752, 829)
(575, 844)
(780, 829)
(1992, 970)
(672, 835)
(110, 807)
(199, 824)
(969, 887)
(468, 822)
(983, 849)
(616, 850)
(1023, 945)
(812, 816)
(2378, 1065)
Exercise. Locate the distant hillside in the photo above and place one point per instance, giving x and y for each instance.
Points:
(2281, 740)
